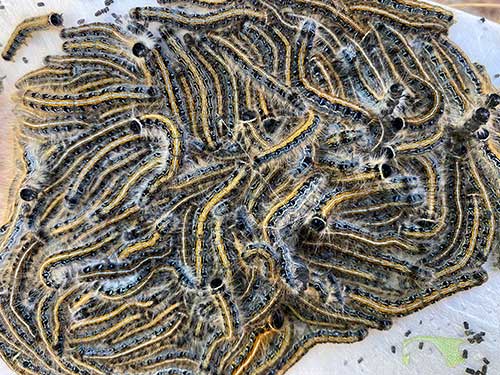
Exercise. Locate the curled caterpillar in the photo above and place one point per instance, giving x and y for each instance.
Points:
(25, 29)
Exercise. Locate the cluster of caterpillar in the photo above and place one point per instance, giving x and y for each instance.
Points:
(220, 185)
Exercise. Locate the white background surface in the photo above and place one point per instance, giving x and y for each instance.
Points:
(479, 306)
